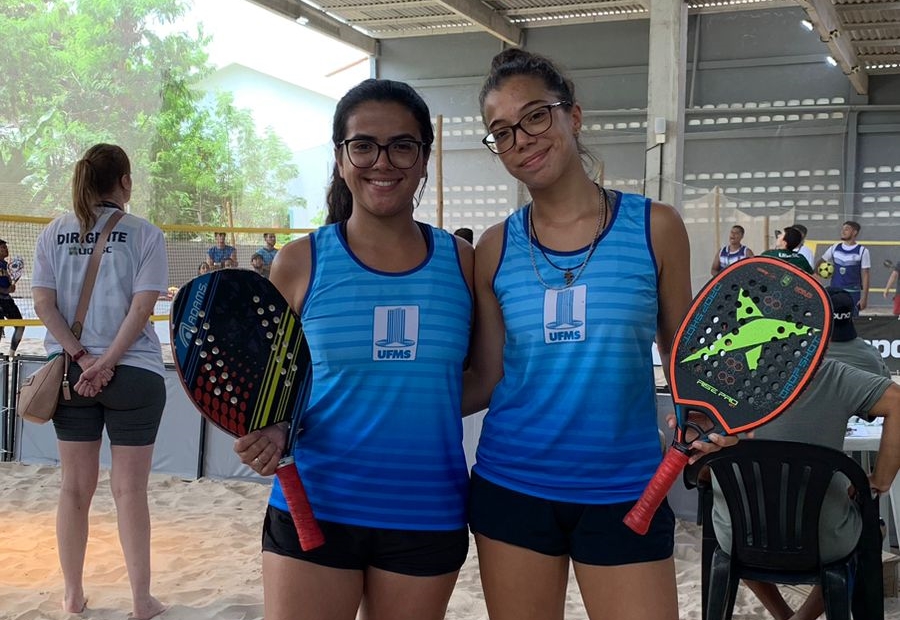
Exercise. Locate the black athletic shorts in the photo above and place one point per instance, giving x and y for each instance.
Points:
(588, 533)
(130, 407)
(407, 552)
(9, 309)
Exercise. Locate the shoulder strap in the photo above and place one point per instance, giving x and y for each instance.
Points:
(91, 276)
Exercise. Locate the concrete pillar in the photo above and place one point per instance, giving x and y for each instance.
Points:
(665, 100)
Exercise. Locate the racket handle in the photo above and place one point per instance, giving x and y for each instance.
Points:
(640, 515)
(301, 512)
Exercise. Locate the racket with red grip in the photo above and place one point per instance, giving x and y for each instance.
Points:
(244, 362)
(748, 347)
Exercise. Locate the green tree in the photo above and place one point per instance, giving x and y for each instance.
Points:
(77, 72)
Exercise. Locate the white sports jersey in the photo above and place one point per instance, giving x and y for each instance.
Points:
(134, 261)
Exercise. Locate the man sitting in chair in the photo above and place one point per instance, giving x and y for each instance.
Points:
(820, 416)
(846, 345)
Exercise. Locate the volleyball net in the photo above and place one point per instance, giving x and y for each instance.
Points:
(186, 248)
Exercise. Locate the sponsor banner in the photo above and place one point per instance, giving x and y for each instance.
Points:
(882, 332)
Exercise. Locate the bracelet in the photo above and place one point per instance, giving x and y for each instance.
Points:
(79, 355)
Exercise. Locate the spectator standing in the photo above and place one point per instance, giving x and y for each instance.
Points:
(852, 264)
(117, 372)
(802, 250)
(8, 307)
(220, 252)
(268, 251)
(893, 280)
(786, 244)
(733, 252)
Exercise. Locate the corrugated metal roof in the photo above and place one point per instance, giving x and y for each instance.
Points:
(406, 18)
(873, 27)
(863, 36)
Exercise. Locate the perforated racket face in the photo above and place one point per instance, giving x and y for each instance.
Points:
(16, 268)
(753, 340)
(239, 350)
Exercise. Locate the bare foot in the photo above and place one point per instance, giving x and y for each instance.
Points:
(148, 609)
(75, 604)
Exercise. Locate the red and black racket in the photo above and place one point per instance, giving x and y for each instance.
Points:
(244, 362)
(749, 345)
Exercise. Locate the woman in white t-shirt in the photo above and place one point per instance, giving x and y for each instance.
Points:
(117, 372)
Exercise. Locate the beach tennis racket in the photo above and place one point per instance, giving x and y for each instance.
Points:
(749, 345)
(16, 268)
(244, 362)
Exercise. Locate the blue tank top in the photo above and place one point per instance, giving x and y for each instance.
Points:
(574, 417)
(729, 258)
(381, 444)
(847, 267)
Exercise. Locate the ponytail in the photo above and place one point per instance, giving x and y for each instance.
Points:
(84, 196)
(339, 199)
(96, 175)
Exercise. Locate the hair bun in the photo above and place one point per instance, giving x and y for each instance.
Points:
(510, 56)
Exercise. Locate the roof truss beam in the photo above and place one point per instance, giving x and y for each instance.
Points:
(322, 22)
(828, 24)
(491, 21)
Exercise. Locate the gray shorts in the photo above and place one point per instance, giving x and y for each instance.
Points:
(130, 407)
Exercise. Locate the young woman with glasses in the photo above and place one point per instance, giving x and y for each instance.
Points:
(571, 290)
(386, 304)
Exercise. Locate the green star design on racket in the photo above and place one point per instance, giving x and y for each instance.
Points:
(752, 335)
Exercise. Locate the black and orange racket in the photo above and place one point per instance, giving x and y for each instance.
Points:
(749, 345)
(244, 362)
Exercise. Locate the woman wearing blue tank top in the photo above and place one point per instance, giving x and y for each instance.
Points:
(571, 290)
(386, 305)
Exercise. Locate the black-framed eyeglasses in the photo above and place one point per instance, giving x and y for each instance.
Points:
(363, 153)
(534, 123)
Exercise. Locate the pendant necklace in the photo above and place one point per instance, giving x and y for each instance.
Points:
(570, 274)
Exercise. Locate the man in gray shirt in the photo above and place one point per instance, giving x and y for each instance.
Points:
(819, 416)
(846, 346)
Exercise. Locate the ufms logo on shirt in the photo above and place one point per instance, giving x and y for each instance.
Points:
(564, 314)
(395, 333)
